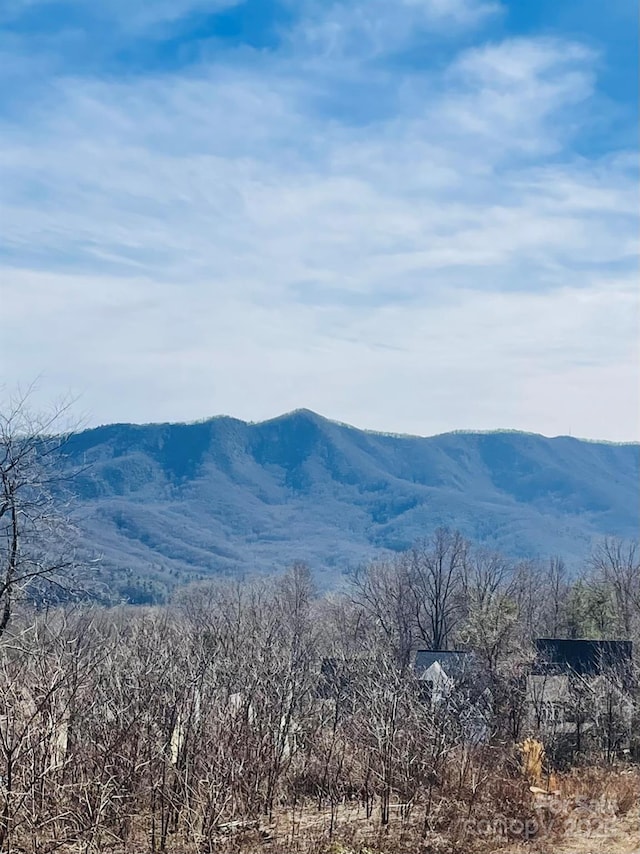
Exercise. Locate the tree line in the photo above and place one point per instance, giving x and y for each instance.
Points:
(248, 704)
(183, 720)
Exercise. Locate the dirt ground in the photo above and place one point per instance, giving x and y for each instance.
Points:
(618, 835)
(584, 833)
(597, 834)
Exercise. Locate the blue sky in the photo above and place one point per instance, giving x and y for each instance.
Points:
(413, 216)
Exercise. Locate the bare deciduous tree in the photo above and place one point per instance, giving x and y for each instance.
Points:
(616, 564)
(36, 554)
(384, 593)
(436, 572)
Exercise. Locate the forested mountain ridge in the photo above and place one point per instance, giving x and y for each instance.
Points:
(177, 501)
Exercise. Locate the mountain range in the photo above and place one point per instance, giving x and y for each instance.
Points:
(160, 504)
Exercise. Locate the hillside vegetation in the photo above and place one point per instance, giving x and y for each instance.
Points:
(169, 502)
(215, 725)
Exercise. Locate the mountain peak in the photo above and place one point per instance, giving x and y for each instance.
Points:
(301, 414)
(184, 501)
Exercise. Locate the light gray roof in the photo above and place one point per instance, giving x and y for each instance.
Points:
(453, 662)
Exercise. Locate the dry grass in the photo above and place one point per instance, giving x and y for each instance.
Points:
(595, 811)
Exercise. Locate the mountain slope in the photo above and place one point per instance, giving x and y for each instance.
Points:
(165, 501)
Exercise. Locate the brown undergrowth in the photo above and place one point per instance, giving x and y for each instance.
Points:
(592, 811)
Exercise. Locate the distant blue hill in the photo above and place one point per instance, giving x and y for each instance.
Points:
(164, 503)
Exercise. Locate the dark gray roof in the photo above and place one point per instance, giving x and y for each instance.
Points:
(586, 657)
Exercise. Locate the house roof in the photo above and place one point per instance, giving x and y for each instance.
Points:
(586, 657)
(453, 662)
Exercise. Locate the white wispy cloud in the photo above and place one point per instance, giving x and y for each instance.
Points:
(374, 27)
(186, 243)
(131, 16)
